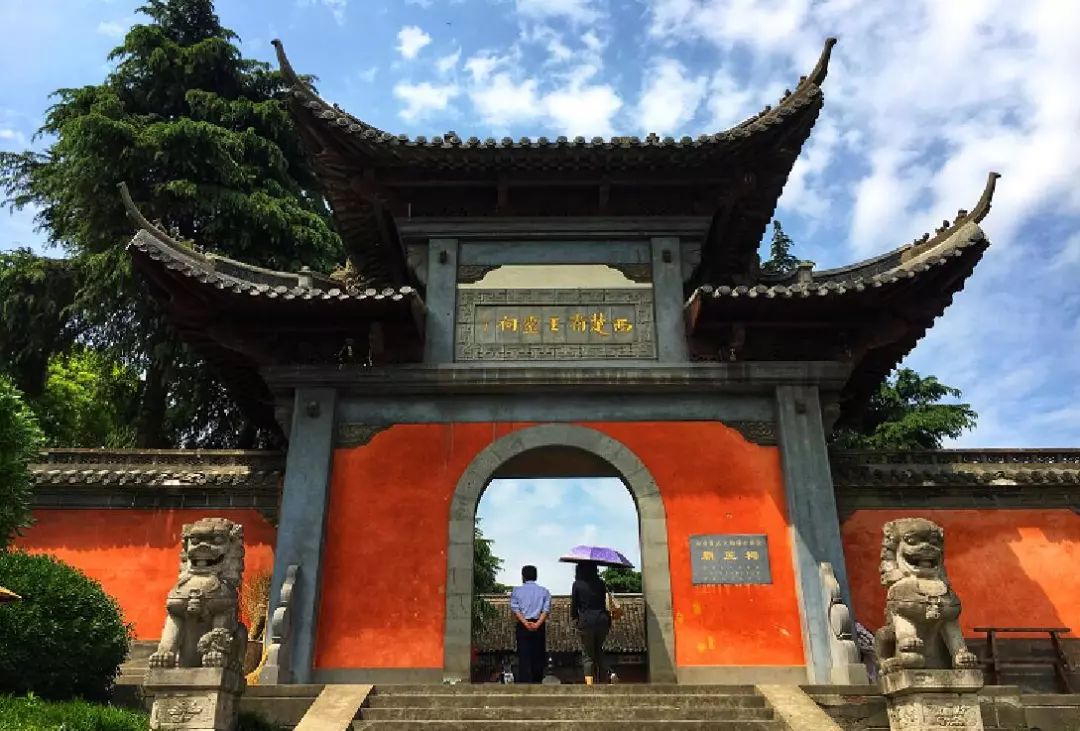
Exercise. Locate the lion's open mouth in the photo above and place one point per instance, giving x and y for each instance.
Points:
(205, 563)
(922, 562)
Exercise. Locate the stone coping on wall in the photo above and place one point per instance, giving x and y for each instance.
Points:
(158, 479)
(956, 479)
(864, 479)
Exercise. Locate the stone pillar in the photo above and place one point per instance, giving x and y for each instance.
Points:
(815, 528)
(440, 297)
(302, 520)
(670, 326)
(933, 700)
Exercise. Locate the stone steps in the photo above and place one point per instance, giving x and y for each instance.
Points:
(564, 700)
(541, 725)
(593, 708)
(641, 712)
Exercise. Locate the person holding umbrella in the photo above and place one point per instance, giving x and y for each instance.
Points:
(589, 604)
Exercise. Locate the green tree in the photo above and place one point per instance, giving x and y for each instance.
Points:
(37, 297)
(907, 413)
(781, 260)
(20, 440)
(486, 567)
(205, 143)
(622, 580)
(88, 401)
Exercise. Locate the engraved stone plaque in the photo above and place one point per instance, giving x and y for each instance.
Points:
(554, 324)
(730, 559)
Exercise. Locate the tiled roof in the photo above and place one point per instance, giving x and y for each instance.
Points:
(949, 242)
(374, 179)
(231, 276)
(627, 635)
(619, 150)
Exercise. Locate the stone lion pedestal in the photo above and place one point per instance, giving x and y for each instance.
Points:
(195, 676)
(928, 676)
(194, 699)
(933, 700)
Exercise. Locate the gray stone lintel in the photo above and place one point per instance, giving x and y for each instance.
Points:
(578, 379)
(555, 252)
(510, 229)
(812, 517)
(303, 517)
(656, 576)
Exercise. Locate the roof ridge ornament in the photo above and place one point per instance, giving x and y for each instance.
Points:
(156, 231)
(821, 70)
(286, 68)
(982, 208)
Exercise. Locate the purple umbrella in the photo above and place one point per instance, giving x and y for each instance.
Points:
(598, 555)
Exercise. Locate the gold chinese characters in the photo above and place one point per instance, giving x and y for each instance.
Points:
(596, 323)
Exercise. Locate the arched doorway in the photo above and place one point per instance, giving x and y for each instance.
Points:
(580, 451)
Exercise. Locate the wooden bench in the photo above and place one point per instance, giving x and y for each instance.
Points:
(993, 662)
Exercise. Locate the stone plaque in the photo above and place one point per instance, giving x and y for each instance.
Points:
(730, 559)
(554, 324)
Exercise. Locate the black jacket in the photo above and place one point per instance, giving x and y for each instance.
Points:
(588, 604)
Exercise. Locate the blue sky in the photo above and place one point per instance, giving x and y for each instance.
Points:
(923, 98)
(536, 521)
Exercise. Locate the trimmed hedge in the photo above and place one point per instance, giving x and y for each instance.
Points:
(65, 639)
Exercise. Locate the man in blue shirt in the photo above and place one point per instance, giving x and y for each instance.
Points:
(530, 604)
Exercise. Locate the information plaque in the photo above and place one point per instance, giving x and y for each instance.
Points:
(730, 559)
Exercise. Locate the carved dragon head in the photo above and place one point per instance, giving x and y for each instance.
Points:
(213, 546)
(912, 547)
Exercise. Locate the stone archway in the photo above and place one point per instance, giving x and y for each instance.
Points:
(652, 522)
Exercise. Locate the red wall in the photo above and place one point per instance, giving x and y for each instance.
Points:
(384, 571)
(1011, 568)
(135, 554)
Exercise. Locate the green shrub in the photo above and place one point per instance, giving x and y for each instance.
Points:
(20, 439)
(29, 713)
(65, 639)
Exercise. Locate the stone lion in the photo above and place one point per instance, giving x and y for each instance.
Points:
(921, 609)
(202, 628)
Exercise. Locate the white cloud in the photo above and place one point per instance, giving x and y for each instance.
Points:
(113, 28)
(336, 7)
(411, 40)
(368, 75)
(424, 98)
(502, 101)
(449, 62)
(481, 66)
(577, 11)
(669, 97)
(583, 109)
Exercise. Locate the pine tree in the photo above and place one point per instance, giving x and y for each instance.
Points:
(207, 148)
(780, 260)
(907, 413)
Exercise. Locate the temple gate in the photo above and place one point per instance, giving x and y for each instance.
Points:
(600, 298)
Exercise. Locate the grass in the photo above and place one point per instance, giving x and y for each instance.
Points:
(29, 713)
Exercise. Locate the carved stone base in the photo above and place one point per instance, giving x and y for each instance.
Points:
(933, 700)
(194, 699)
